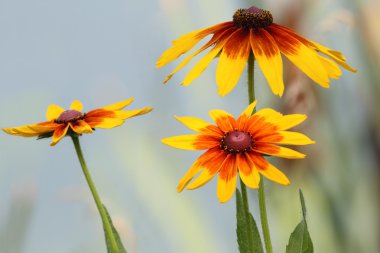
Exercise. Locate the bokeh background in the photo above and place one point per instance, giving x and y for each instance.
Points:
(100, 52)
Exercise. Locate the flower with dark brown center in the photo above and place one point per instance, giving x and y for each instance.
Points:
(253, 32)
(61, 122)
(238, 146)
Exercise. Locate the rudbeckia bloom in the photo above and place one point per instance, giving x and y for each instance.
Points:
(61, 122)
(252, 31)
(238, 146)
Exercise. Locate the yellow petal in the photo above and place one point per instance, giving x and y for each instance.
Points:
(225, 189)
(59, 133)
(202, 65)
(294, 138)
(308, 61)
(194, 169)
(119, 105)
(274, 150)
(248, 174)
(227, 179)
(275, 175)
(32, 129)
(248, 111)
(269, 114)
(76, 105)
(182, 141)
(106, 122)
(338, 57)
(331, 67)
(223, 119)
(268, 170)
(53, 112)
(132, 113)
(81, 127)
(289, 121)
(205, 176)
(269, 59)
(193, 123)
(232, 61)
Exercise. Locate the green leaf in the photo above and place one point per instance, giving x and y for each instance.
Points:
(120, 246)
(248, 236)
(300, 241)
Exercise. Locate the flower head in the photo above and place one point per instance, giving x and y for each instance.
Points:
(61, 122)
(252, 31)
(238, 146)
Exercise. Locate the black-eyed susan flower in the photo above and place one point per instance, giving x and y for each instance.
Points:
(238, 146)
(253, 31)
(61, 122)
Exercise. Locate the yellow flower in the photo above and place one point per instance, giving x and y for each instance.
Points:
(238, 146)
(253, 31)
(61, 122)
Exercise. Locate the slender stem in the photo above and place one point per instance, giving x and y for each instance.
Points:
(99, 205)
(261, 192)
(264, 218)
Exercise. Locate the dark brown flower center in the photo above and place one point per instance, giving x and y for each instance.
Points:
(69, 116)
(252, 17)
(236, 142)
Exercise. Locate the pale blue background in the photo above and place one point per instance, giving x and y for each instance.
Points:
(101, 52)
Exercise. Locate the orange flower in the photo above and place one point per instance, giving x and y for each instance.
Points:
(61, 122)
(238, 146)
(253, 31)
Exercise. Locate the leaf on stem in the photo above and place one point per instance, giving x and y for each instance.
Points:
(120, 246)
(300, 241)
(248, 236)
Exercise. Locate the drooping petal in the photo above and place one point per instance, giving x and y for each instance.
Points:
(119, 105)
(76, 105)
(219, 36)
(188, 41)
(193, 123)
(81, 127)
(59, 133)
(227, 179)
(197, 166)
(225, 121)
(211, 167)
(232, 61)
(53, 112)
(270, 149)
(268, 170)
(247, 172)
(332, 68)
(269, 59)
(202, 64)
(338, 57)
(305, 58)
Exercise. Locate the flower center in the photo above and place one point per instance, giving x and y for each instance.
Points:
(236, 142)
(69, 116)
(252, 17)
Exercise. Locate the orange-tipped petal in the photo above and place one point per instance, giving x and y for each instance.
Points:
(269, 59)
(232, 61)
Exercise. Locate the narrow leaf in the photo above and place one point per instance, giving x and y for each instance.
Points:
(300, 241)
(248, 236)
(120, 246)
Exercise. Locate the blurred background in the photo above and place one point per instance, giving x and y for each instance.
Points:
(101, 52)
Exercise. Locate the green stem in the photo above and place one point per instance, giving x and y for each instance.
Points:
(99, 205)
(262, 205)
